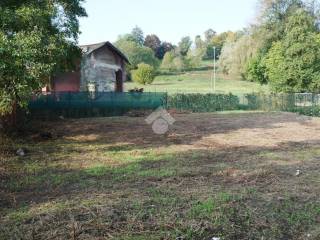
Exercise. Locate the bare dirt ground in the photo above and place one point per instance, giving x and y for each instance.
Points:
(232, 176)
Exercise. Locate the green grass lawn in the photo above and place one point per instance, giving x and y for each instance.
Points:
(198, 81)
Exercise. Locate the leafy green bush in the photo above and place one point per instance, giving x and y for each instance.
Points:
(204, 102)
(313, 111)
(227, 102)
(145, 74)
(269, 102)
(256, 70)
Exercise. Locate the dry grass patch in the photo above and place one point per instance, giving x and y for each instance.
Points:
(231, 176)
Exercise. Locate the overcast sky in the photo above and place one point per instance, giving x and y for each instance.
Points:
(169, 19)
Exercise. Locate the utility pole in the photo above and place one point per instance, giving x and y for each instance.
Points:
(213, 75)
(214, 69)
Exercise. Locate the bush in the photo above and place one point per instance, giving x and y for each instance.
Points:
(204, 102)
(256, 70)
(145, 74)
(226, 102)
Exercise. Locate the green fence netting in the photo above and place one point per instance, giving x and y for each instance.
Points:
(86, 104)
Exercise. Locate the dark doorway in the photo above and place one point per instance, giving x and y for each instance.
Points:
(119, 82)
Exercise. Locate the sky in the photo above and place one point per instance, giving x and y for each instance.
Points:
(169, 19)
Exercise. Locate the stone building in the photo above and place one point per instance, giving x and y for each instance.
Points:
(102, 69)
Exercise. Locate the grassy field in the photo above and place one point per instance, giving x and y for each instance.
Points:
(198, 81)
(230, 175)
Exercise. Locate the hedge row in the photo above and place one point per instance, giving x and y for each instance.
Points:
(203, 102)
(226, 102)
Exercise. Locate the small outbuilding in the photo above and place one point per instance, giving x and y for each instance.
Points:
(102, 69)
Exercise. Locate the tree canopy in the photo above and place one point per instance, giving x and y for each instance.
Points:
(281, 48)
(137, 35)
(184, 46)
(136, 53)
(37, 39)
(293, 63)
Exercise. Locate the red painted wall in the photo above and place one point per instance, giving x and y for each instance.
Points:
(67, 82)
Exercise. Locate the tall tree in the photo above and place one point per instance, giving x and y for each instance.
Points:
(218, 42)
(153, 42)
(137, 35)
(271, 28)
(199, 42)
(137, 54)
(209, 34)
(293, 64)
(272, 19)
(37, 39)
(184, 46)
(167, 62)
(167, 47)
(235, 55)
(200, 47)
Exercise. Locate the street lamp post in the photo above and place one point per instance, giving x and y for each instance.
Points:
(213, 76)
(214, 69)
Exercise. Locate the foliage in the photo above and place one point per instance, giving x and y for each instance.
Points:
(218, 42)
(193, 59)
(153, 42)
(36, 41)
(173, 61)
(200, 47)
(197, 80)
(180, 64)
(167, 62)
(203, 102)
(235, 55)
(184, 46)
(136, 54)
(137, 35)
(293, 63)
(259, 54)
(256, 70)
(225, 102)
(159, 48)
(209, 34)
(145, 74)
(167, 47)
(273, 17)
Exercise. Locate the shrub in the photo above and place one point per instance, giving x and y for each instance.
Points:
(145, 74)
(256, 70)
(204, 102)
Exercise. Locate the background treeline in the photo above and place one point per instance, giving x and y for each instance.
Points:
(167, 57)
(281, 48)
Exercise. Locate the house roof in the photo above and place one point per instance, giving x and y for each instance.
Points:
(88, 49)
